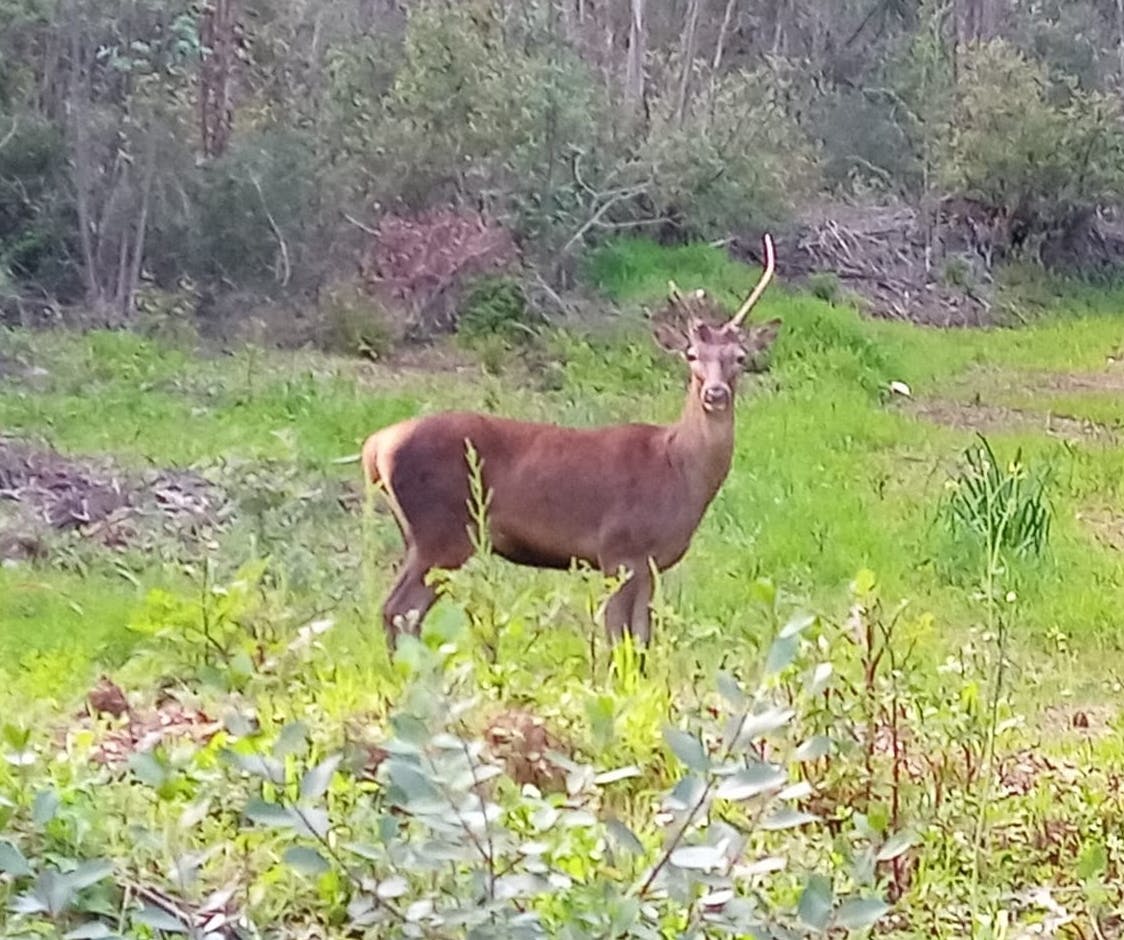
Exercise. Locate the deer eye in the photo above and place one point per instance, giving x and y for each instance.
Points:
(691, 355)
(741, 357)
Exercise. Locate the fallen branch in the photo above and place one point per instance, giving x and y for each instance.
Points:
(7, 139)
(286, 267)
(363, 227)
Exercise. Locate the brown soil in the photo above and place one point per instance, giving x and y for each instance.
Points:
(990, 418)
(142, 728)
(1105, 525)
(1085, 721)
(42, 490)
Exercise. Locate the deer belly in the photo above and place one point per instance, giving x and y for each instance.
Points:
(543, 542)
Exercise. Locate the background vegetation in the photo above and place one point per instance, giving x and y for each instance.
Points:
(162, 160)
(884, 691)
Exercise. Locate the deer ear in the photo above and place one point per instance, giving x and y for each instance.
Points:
(670, 338)
(763, 336)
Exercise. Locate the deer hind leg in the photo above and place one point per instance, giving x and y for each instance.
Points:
(410, 594)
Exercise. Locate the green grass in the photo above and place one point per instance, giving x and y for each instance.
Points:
(829, 475)
(833, 477)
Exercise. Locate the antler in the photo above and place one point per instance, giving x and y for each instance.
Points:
(770, 263)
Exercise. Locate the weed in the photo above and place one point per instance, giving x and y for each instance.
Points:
(494, 306)
(1004, 509)
(825, 286)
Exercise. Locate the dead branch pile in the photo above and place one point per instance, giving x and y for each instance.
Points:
(41, 488)
(882, 257)
(422, 261)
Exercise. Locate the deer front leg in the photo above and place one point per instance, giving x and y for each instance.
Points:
(629, 608)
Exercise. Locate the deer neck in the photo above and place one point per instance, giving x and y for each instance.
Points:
(702, 443)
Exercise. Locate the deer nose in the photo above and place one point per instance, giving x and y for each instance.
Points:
(716, 397)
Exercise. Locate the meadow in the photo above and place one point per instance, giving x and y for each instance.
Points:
(960, 753)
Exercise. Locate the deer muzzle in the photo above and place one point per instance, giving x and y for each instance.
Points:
(717, 397)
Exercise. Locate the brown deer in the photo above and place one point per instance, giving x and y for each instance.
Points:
(625, 496)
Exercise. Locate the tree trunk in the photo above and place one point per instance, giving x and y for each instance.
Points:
(217, 31)
(634, 66)
(723, 32)
(129, 295)
(77, 107)
(687, 57)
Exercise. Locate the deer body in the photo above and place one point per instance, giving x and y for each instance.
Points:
(626, 496)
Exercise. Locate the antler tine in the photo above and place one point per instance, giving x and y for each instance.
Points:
(673, 293)
(770, 264)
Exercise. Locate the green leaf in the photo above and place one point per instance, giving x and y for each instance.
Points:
(751, 782)
(818, 679)
(146, 767)
(864, 583)
(12, 861)
(305, 860)
(624, 837)
(781, 654)
(391, 888)
(258, 765)
(797, 625)
(698, 857)
(91, 930)
(786, 819)
(54, 892)
(90, 873)
(293, 739)
(896, 845)
(311, 821)
(621, 773)
(816, 901)
(1093, 861)
(45, 806)
(411, 782)
(314, 784)
(159, 919)
(813, 749)
(265, 813)
(729, 689)
(688, 748)
(762, 723)
(860, 912)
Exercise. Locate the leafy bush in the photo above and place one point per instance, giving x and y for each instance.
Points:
(448, 127)
(36, 206)
(495, 306)
(731, 162)
(1043, 153)
(355, 324)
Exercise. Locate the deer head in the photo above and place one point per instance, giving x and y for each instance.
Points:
(717, 355)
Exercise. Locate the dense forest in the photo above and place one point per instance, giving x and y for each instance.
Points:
(160, 158)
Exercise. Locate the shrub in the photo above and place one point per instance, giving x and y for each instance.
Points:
(355, 324)
(495, 306)
(1046, 154)
(733, 161)
(825, 285)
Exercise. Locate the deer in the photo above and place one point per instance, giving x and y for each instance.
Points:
(623, 498)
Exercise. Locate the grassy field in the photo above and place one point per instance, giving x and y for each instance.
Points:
(834, 477)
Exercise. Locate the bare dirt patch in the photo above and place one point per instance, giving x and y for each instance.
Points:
(1085, 721)
(985, 418)
(42, 491)
(1105, 525)
(136, 729)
